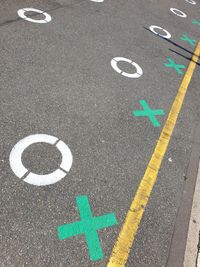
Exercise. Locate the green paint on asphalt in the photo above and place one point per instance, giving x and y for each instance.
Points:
(88, 226)
(147, 112)
(175, 66)
(189, 40)
(194, 21)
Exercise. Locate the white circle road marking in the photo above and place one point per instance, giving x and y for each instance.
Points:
(36, 179)
(138, 72)
(21, 14)
(178, 12)
(167, 35)
(192, 2)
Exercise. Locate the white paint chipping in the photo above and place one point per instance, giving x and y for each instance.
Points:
(36, 179)
(178, 12)
(136, 74)
(153, 28)
(21, 14)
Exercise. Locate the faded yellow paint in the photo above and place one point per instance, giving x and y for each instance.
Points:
(129, 229)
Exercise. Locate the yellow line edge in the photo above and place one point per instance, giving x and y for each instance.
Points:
(121, 249)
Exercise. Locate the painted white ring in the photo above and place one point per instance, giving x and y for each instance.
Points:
(35, 179)
(153, 27)
(138, 72)
(98, 1)
(180, 14)
(192, 2)
(21, 14)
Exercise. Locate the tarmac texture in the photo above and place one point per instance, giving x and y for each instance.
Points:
(56, 79)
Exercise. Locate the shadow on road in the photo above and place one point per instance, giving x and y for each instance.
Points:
(177, 45)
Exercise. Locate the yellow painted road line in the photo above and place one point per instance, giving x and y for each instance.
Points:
(129, 229)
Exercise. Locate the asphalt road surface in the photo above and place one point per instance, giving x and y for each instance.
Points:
(56, 79)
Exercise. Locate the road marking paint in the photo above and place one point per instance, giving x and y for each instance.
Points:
(194, 21)
(88, 226)
(137, 74)
(21, 14)
(170, 159)
(175, 66)
(35, 179)
(192, 2)
(153, 29)
(178, 12)
(98, 1)
(150, 113)
(189, 40)
(129, 229)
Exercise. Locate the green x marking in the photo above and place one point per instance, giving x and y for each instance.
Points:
(187, 39)
(88, 226)
(147, 112)
(175, 66)
(194, 21)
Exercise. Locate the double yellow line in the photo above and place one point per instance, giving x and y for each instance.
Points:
(129, 229)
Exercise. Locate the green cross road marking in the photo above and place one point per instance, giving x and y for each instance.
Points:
(187, 39)
(88, 226)
(147, 112)
(194, 21)
(175, 66)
